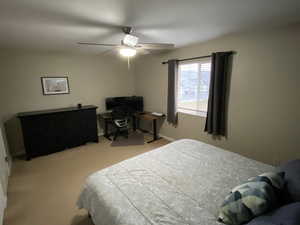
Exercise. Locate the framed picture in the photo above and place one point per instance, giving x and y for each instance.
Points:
(55, 85)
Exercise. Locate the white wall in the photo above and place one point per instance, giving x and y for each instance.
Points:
(264, 106)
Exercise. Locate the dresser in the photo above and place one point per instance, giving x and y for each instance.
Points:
(50, 131)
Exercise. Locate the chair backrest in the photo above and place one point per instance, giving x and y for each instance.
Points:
(121, 112)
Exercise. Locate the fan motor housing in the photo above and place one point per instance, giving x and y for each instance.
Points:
(127, 30)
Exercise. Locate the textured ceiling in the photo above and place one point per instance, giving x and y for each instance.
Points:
(57, 25)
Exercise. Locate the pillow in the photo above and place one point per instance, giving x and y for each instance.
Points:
(285, 215)
(276, 180)
(291, 191)
(253, 198)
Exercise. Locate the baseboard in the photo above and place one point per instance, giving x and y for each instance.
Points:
(163, 136)
(160, 135)
(167, 138)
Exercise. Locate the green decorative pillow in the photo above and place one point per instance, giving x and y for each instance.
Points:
(253, 198)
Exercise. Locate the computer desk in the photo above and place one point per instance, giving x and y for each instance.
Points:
(149, 117)
(136, 117)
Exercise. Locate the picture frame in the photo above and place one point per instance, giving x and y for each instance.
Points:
(55, 85)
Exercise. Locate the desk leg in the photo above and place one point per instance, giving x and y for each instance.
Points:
(106, 130)
(155, 137)
(154, 130)
(134, 123)
(137, 123)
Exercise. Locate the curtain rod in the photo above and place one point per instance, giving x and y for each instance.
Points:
(199, 57)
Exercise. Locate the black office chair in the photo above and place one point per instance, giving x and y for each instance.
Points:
(120, 117)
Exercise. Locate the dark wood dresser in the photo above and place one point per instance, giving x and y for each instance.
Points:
(50, 131)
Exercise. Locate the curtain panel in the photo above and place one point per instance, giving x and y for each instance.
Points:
(217, 101)
(172, 91)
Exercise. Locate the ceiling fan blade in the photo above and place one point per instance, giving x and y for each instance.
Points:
(108, 52)
(92, 43)
(155, 46)
(142, 51)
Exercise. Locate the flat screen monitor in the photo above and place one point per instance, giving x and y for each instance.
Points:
(135, 103)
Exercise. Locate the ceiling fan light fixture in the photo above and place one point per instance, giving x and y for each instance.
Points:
(130, 40)
(127, 52)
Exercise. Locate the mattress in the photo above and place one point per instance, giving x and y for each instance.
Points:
(183, 182)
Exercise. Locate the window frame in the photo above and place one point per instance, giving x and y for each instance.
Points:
(185, 110)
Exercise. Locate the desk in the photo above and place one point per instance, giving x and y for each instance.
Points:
(147, 116)
(107, 119)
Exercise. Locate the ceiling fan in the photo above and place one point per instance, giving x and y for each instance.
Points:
(130, 44)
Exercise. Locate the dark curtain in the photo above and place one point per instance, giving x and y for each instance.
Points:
(172, 91)
(216, 111)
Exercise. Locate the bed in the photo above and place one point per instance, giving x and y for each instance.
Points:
(183, 182)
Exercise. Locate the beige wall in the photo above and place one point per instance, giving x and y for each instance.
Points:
(91, 79)
(264, 105)
(264, 109)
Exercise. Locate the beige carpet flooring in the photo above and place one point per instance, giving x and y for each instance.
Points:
(44, 190)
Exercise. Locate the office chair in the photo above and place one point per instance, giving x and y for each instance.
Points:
(120, 117)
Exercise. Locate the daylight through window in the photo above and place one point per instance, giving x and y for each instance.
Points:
(193, 87)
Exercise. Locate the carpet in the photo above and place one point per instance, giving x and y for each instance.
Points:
(44, 191)
(134, 138)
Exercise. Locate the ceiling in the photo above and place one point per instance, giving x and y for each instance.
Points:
(57, 25)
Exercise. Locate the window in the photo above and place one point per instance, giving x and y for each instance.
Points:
(193, 87)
